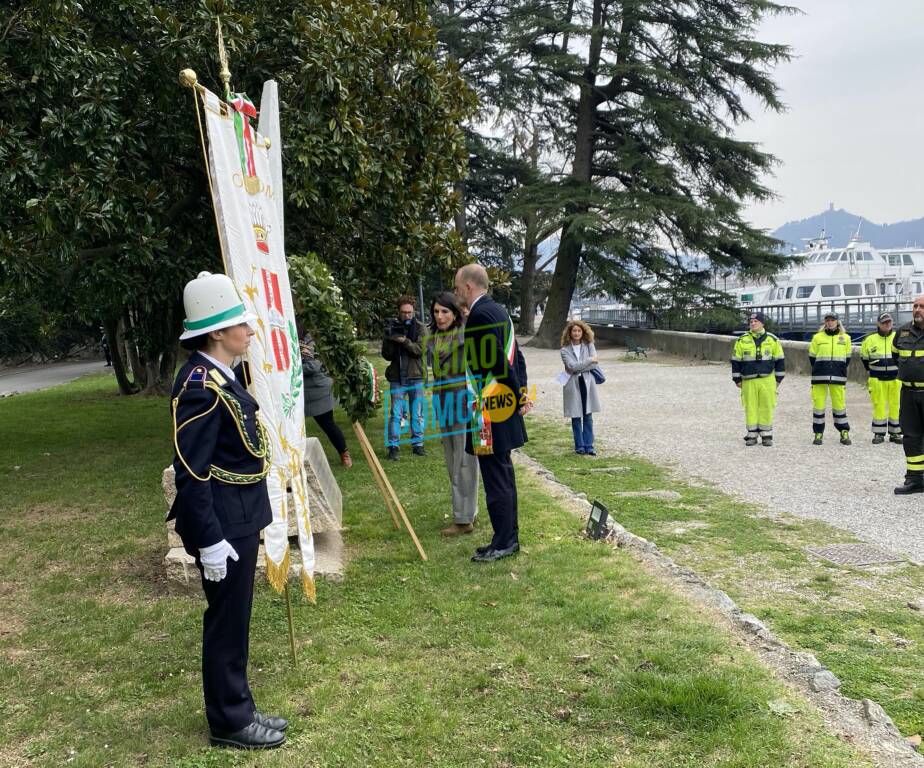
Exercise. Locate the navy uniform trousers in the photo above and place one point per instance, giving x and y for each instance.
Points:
(500, 493)
(229, 704)
(489, 327)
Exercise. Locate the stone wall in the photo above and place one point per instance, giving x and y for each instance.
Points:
(713, 347)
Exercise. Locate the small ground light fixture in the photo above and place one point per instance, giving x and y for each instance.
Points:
(596, 521)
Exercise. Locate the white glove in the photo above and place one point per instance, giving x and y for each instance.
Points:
(214, 560)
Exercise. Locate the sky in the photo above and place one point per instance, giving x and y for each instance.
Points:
(853, 132)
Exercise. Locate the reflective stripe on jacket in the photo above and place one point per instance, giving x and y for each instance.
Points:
(876, 354)
(829, 355)
(908, 351)
(755, 356)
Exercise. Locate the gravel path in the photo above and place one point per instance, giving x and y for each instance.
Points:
(687, 416)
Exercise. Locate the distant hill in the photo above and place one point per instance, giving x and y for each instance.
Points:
(840, 226)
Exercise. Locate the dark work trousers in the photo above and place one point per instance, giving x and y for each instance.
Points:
(226, 640)
(911, 418)
(326, 422)
(500, 491)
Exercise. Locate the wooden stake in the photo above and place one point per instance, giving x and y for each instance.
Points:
(378, 480)
(291, 626)
(377, 467)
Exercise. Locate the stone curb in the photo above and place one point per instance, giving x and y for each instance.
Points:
(861, 723)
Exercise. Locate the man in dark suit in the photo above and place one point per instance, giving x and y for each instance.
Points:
(497, 372)
(221, 462)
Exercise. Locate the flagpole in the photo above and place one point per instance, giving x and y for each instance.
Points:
(291, 626)
(225, 73)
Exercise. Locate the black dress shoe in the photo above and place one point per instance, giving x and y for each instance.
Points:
(495, 554)
(912, 487)
(254, 736)
(482, 550)
(274, 723)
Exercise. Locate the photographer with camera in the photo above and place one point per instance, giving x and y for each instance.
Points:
(402, 346)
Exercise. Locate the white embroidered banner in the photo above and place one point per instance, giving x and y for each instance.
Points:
(247, 198)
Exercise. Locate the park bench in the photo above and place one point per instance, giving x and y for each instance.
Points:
(634, 348)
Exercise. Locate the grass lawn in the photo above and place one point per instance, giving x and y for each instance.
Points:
(855, 620)
(569, 654)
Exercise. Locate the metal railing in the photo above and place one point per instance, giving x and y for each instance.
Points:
(857, 315)
(631, 318)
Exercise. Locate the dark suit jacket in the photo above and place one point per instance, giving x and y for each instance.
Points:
(208, 510)
(487, 326)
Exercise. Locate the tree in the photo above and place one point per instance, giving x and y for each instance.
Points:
(104, 202)
(504, 137)
(655, 90)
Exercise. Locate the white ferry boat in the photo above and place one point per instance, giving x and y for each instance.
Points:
(858, 272)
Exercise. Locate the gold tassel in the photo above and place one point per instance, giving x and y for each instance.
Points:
(278, 575)
(308, 587)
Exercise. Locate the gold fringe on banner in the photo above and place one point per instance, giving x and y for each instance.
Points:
(308, 588)
(278, 575)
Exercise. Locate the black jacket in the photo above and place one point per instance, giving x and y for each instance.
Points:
(908, 351)
(209, 433)
(411, 349)
(486, 333)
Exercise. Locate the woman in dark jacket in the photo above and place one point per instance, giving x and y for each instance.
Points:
(452, 409)
(319, 398)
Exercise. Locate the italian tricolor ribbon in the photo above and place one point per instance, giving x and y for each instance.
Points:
(244, 109)
(482, 431)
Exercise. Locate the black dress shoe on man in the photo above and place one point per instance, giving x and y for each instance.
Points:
(495, 554)
(418, 450)
(392, 453)
(275, 723)
(254, 736)
(915, 486)
(482, 550)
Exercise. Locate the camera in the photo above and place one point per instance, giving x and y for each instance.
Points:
(394, 327)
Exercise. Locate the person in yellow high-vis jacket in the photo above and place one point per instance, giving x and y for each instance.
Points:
(829, 353)
(884, 387)
(758, 368)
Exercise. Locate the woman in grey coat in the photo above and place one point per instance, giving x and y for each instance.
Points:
(319, 398)
(452, 410)
(579, 355)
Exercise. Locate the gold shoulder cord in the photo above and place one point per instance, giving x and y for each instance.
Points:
(176, 430)
(234, 408)
(261, 451)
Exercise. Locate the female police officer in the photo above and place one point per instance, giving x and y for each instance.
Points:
(221, 462)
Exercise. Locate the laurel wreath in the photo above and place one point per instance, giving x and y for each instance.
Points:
(290, 398)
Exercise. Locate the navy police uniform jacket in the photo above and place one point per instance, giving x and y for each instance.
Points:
(221, 457)
(488, 324)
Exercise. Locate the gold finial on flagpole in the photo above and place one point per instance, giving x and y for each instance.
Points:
(188, 78)
(225, 73)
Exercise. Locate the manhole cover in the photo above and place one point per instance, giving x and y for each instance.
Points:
(855, 554)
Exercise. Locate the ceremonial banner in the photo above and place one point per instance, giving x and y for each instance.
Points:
(246, 178)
